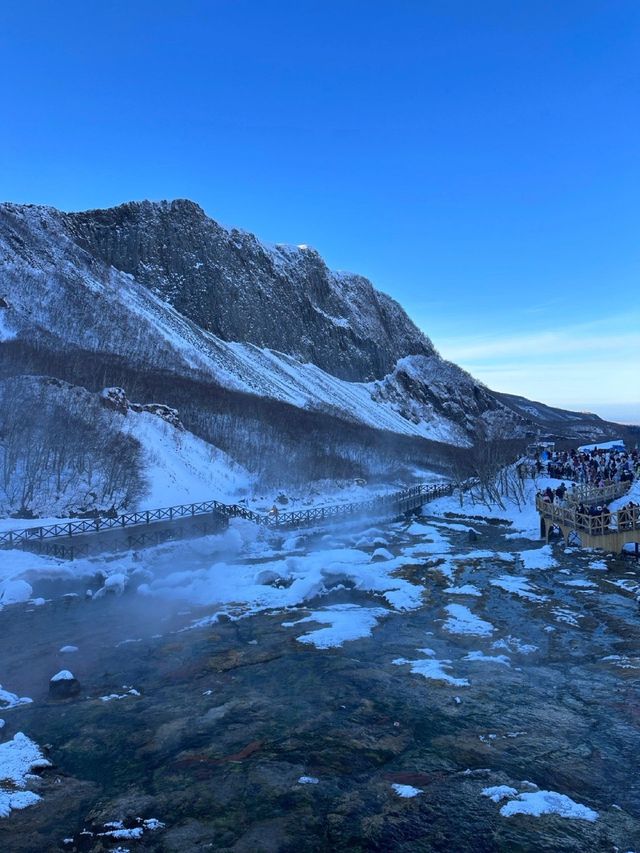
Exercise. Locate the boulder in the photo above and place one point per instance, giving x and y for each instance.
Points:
(381, 554)
(63, 685)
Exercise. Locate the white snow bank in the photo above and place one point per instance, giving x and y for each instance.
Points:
(18, 758)
(432, 542)
(21, 565)
(381, 554)
(632, 495)
(114, 583)
(218, 571)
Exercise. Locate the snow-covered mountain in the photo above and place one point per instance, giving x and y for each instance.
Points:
(266, 353)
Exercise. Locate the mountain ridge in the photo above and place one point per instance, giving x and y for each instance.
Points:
(337, 321)
(68, 313)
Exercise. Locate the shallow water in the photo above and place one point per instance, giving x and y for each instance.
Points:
(231, 716)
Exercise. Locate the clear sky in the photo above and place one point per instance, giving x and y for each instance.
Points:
(479, 161)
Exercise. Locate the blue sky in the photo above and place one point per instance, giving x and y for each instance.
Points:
(479, 161)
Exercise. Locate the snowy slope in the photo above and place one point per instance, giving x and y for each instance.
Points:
(181, 468)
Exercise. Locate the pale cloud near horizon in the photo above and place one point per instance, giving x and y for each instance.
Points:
(582, 364)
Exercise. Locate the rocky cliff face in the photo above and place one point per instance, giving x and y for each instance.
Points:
(232, 285)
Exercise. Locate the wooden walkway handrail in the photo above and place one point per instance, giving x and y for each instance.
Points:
(595, 525)
(584, 493)
(403, 500)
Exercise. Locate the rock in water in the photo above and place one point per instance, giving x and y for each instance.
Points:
(63, 685)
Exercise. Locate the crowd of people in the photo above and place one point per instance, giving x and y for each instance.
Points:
(627, 517)
(592, 467)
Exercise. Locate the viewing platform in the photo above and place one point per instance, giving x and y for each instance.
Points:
(609, 531)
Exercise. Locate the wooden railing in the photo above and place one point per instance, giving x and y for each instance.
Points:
(584, 493)
(401, 501)
(595, 525)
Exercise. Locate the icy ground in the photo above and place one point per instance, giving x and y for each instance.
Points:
(395, 684)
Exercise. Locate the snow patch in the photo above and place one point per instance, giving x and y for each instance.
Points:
(518, 586)
(499, 792)
(346, 622)
(462, 621)
(539, 558)
(465, 589)
(14, 592)
(129, 691)
(11, 700)
(19, 757)
(513, 644)
(538, 803)
(433, 669)
(480, 656)
(63, 675)
(406, 791)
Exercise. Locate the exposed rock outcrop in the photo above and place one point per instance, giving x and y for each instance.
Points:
(229, 283)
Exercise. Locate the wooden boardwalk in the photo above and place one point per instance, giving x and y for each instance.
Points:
(609, 531)
(141, 529)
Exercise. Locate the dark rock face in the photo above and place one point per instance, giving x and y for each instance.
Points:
(229, 283)
(115, 399)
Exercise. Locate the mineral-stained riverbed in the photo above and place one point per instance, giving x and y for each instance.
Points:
(502, 713)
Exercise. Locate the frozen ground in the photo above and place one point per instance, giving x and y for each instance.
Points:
(390, 684)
